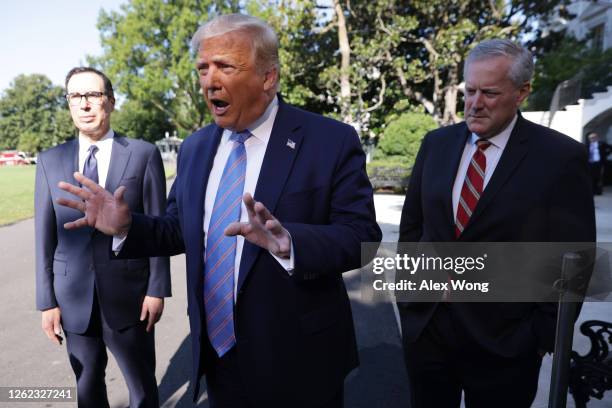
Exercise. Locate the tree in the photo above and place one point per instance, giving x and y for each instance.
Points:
(33, 114)
(570, 59)
(146, 53)
(141, 121)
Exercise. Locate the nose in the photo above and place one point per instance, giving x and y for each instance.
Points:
(84, 103)
(476, 100)
(209, 82)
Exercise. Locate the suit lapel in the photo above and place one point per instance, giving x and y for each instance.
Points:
(283, 147)
(513, 154)
(70, 161)
(120, 156)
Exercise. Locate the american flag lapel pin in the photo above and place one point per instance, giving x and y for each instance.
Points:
(291, 143)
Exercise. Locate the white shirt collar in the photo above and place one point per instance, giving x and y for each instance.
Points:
(261, 129)
(85, 142)
(500, 140)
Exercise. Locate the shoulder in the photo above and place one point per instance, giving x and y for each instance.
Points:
(555, 144)
(315, 121)
(134, 144)
(58, 152)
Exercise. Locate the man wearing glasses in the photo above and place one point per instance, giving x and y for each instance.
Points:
(99, 302)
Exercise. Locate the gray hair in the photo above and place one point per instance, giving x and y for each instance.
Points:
(262, 36)
(521, 59)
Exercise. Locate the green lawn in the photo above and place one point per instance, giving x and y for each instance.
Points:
(16, 193)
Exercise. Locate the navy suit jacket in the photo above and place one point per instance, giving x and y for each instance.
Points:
(295, 335)
(70, 263)
(540, 191)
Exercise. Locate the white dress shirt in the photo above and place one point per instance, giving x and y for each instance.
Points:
(103, 155)
(255, 147)
(492, 154)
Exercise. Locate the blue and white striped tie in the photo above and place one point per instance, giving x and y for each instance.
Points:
(220, 251)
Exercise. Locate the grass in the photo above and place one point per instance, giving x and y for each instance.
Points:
(17, 192)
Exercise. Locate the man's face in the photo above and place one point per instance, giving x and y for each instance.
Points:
(491, 99)
(235, 91)
(91, 119)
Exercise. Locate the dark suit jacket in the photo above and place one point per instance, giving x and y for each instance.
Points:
(295, 335)
(70, 263)
(539, 192)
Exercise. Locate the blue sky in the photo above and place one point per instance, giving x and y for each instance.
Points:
(48, 37)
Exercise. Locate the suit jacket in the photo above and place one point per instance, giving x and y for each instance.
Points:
(70, 264)
(539, 192)
(295, 335)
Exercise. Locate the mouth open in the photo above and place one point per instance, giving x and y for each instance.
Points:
(219, 106)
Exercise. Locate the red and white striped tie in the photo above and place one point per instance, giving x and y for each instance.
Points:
(472, 186)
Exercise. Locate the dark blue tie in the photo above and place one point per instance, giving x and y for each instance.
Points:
(90, 169)
(220, 251)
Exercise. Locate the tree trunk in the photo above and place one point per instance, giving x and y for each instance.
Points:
(345, 63)
(450, 97)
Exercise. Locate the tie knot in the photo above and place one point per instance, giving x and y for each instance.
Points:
(93, 149)
(240, 137)
(483, 144)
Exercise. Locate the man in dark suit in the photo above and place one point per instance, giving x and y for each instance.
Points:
(598, 158)
(270, 318)
(99, 302)
(499, 178)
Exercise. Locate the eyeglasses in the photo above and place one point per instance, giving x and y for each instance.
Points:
(95, 98)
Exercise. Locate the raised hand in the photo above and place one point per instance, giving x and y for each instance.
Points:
(106, 212)
(262, 229)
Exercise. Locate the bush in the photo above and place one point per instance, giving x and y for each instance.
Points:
(402, 136)
(391, 174)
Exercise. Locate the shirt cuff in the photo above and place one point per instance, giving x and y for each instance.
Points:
(287, 264)
(118, 243)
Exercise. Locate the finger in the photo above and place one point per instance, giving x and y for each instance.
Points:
(48, 329)
(263, 212)
(57, 327)
(72, 189)
(80, 223)
(238, 228)
(77, 205)
(249, 203)
(143, 311)
(118, 194)
(87, 182)
(274, 226)
(151, 322)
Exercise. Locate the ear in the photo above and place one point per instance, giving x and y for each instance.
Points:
(270, 79)
(524, 92)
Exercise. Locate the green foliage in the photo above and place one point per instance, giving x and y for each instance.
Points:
(402, 137)
(141, 122)
(33, 109)
(569, 59)
(146, 53)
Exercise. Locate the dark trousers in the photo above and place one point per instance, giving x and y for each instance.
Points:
(134, 350)
(440, 368)
(226, 388)
(597, 170)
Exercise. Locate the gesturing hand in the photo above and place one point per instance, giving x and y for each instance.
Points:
(262, 229)
(106, 212)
